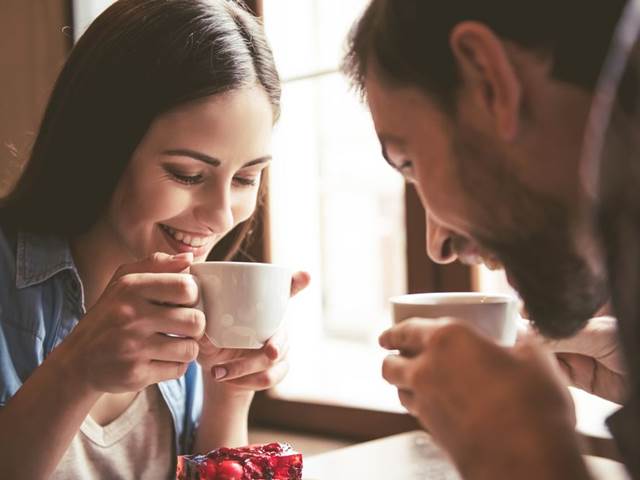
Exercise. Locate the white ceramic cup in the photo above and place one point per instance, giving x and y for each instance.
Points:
(492, 315)
(243, 303)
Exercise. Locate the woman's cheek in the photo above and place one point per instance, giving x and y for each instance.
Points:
(244, 208)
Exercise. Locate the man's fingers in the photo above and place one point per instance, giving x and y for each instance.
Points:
(395, 370)
(157, 263)
(180, 321)
(408, 401)
(410, 336)
(299, 281)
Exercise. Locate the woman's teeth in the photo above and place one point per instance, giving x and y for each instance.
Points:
(192, 241)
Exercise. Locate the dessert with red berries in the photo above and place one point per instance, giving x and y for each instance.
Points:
(273, 461)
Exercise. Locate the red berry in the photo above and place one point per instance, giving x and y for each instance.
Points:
(230, 470)
(210, 470)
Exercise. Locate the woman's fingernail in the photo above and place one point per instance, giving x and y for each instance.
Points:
(219, 373)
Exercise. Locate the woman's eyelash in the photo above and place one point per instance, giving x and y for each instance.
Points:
(187, 179)
(196, 179)
(246, 181)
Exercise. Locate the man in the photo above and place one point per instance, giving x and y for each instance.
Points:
(483, 105)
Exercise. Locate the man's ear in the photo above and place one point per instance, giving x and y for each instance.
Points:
(488, 75)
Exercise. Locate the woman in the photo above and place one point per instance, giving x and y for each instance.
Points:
(151, 150)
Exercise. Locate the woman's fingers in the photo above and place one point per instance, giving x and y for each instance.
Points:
(172, 349)
(263, 380)
(158, 371)
(251, 363)
(181, 321)
(158, 262)
(277, 344)
(299, 281)
(161, 288)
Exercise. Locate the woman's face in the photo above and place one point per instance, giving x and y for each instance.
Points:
(194, 176)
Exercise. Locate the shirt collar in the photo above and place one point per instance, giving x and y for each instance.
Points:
(40, 257)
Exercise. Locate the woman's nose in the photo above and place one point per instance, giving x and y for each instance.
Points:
(439, 242)
(215, 210)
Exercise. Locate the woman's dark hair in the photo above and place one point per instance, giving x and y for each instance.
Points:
(409, 39)
(138, 59)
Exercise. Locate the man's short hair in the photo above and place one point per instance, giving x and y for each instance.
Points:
(409, 39)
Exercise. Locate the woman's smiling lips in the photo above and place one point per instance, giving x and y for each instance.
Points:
(182, 241)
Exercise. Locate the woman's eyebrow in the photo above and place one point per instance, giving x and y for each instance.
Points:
(203, 157)
(265, 159)
(181, 152)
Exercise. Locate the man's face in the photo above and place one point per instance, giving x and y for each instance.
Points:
(485, 201)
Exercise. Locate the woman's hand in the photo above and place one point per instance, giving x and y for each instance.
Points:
(246, 370)
(136, 335)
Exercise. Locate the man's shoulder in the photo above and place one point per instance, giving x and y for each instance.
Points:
(625, 427)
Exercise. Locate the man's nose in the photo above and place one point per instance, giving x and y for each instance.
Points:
(215, 210)
(439, 242)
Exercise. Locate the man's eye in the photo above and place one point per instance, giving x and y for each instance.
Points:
(406, 169)
(405, 165)
(187, 179)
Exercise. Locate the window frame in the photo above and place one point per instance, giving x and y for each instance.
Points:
(269, 410)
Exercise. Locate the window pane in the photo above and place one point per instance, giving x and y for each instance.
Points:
(337, 209)
(84, 12)
(309, 35)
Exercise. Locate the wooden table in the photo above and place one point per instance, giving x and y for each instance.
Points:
(410, 456)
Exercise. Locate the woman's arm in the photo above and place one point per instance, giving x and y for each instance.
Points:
(230, 378)
(121, 345)
(39, 422)
(224, 420)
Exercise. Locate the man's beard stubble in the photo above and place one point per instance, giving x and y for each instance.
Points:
(532, 235)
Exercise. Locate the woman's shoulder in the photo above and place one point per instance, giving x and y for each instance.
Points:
(8, 243)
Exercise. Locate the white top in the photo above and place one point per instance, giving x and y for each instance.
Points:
(136, 445)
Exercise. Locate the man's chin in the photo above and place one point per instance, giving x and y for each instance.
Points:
(557, 315)
(559, 326)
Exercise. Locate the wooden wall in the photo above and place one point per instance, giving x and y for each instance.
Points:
(34, 40)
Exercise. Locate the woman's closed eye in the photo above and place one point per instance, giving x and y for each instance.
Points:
(186, 178)
(246, 180)
(242, 180)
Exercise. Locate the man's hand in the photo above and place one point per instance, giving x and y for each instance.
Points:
(592, 359)
(499, 413)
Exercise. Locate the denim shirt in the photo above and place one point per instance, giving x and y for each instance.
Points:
(41, 301)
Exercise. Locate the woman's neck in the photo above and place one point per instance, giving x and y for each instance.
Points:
(97, 255)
